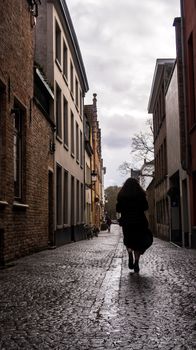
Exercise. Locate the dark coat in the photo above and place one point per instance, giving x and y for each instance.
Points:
(133, 221)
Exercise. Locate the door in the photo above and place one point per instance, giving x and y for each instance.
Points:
(51, 239)
(72, 208)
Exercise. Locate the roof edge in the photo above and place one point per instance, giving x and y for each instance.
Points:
(74, 42)
(160, 63)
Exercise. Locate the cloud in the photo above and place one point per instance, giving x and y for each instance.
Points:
(120, 42)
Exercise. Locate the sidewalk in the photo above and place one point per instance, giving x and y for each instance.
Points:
(82, 296)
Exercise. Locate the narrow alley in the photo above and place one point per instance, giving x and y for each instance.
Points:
(83, 296)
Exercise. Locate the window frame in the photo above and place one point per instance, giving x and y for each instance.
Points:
(72, 135)
(71, 78)
(59, 216)
(65, 123)
(81, 150)
(65, 60)
(58, 111)
(77, 201)
(77, 143)
(57, 43)
(76, 91)
(18, 152)
(2, 138)
(65, 197)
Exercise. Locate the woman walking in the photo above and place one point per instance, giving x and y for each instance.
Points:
(132, 203)
(108, 222)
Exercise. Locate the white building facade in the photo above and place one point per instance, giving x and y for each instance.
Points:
(177, 177)
(58, 54)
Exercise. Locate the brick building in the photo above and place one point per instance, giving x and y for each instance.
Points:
(26, 133)
(96, 164)
(88, 160)
(188, 16)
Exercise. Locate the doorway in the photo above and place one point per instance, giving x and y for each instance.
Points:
(72, 208)
(175, 207)
(51, 239)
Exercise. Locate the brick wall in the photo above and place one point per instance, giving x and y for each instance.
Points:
(25, 225)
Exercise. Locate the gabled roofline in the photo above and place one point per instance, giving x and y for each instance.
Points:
(75, 44)
(159, 67)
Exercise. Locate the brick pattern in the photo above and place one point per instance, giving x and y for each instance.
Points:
(25, 228)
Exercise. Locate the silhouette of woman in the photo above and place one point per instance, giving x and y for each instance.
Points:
(131, 203)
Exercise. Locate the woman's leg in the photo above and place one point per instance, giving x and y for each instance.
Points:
(137, 258)
(130, 263)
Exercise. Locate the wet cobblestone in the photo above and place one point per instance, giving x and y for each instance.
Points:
(82, 296)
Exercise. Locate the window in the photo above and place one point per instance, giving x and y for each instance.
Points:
(18, 153)
(58, 112)
(65, 114)
(76, 91)
(81, 149)
(58, 195)
(2, 135)
(57, 43)
(81, 103)
(77, 142)
(194, 197)
(165, 157)
(192, 108)
(64, 59)
(82, 202)
(65, 203)
(72, 134)
(77, 202)
(87, 131)
(88, 175)
(71, 77)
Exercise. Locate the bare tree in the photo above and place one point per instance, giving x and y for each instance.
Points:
(125, 168)
(142, 146)
(142, 149)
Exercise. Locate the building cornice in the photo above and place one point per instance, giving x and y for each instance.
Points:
(159, 69)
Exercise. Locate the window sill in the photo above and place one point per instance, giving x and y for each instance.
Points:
(58, 64)
(77, 108)
(73, 155)
(66, 147)
(65, 79)
(59, 227)
(17, 205)
(192, 129)
(3, 204)
(59, 138)
(72, 96)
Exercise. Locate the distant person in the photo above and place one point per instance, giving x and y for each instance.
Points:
(132, 203)
(108, 222)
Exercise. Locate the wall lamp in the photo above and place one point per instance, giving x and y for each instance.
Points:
(93, 180)
(93, 176)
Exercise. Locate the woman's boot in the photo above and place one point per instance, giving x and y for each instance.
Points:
(130, 261)
(136, 266)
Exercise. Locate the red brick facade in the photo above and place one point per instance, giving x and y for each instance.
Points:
(24, 181)
(188, 13)
(96, 162)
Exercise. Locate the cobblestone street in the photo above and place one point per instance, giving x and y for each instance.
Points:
(83, 296)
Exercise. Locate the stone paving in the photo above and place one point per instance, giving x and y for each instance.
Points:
(82, 296)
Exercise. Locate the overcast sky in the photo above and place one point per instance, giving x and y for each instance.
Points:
(120, 42)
